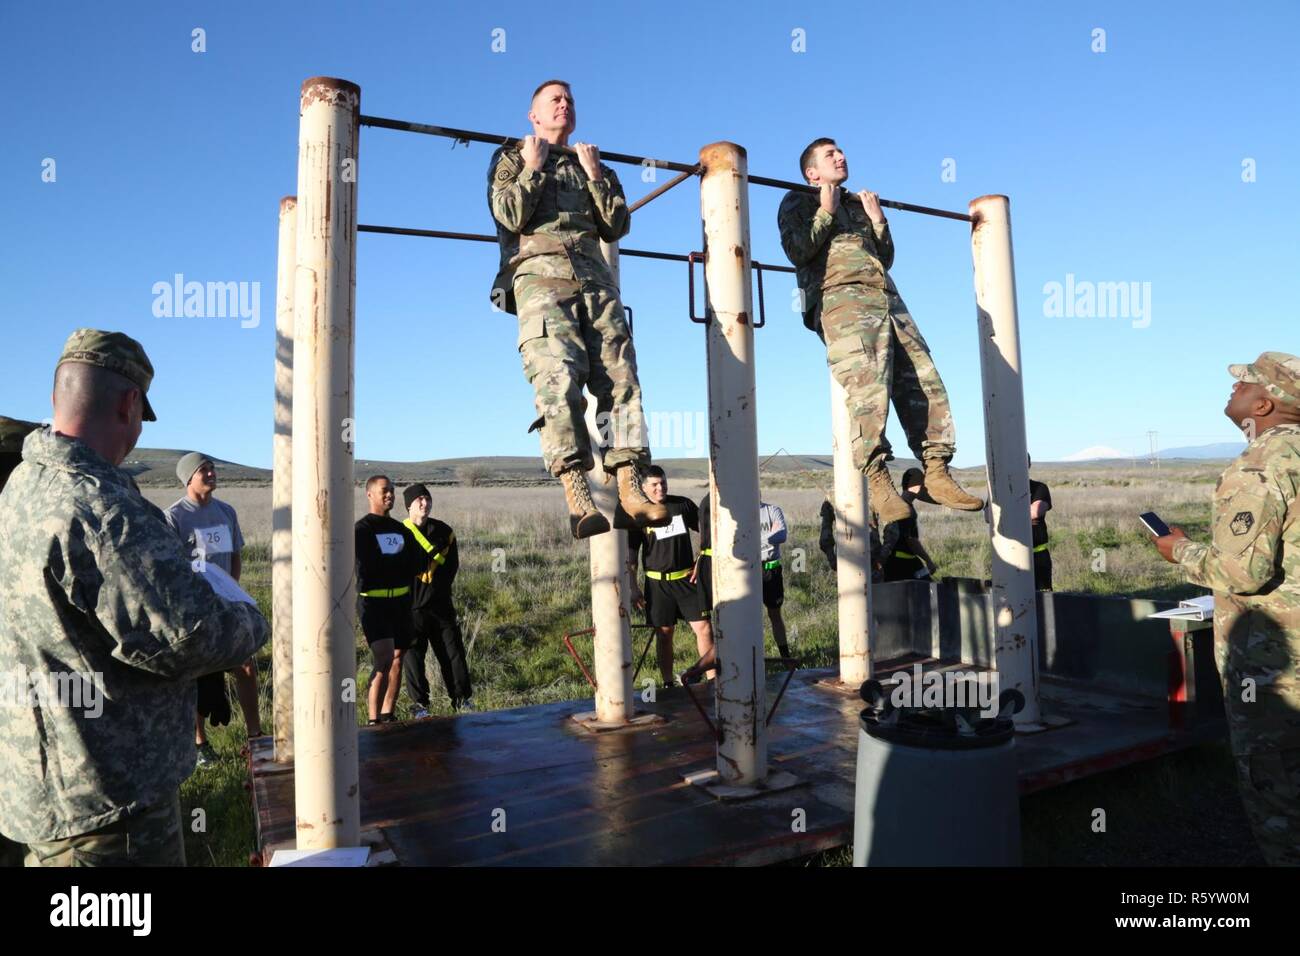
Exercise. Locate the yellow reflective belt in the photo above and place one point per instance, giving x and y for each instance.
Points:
(769, 565)
(904, 554)
(706, 552)
(386, 592)
(668, 575)
(1041, 547)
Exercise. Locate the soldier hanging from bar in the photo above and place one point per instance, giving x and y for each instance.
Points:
(840, 244)
(552, 209)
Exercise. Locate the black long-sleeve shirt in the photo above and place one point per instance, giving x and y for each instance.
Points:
(438, 564)
(387, 555)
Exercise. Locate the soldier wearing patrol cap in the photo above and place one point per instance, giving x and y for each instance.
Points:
(552, 207)
(104, 628)
(1253, 566)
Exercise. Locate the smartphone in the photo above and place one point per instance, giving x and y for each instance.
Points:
(1154, 524)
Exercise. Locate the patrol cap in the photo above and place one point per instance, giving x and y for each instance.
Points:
(189, 464)
(12, 433)
(1278, 372)
(116, 352)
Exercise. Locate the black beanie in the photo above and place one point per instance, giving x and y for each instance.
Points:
(414, 491)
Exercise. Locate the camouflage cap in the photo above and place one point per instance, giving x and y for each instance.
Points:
(12, 433)
(116, 352)
(1278, 372)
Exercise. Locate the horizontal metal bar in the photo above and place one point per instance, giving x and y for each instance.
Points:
(470, 136)
(890, 203)
(485, 237)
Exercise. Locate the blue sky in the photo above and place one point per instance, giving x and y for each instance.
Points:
(1122, 166)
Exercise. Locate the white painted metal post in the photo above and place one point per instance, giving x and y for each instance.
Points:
(610, 614)
(282, 489)
(852, 547)
(1015, 617)
(326, 787)
(733, 458)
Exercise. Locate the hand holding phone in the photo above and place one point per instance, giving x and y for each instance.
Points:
(1153, 523)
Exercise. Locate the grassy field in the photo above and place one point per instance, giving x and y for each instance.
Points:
(1178, 810)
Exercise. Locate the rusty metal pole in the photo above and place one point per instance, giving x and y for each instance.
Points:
(852, 547)
(1015, 616)
(610, 614)
(733, 458)
(282, 489)
(326, 786)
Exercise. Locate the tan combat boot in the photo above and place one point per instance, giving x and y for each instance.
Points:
(584, 519)
(633, 498)
(942, 489)
(889, 507)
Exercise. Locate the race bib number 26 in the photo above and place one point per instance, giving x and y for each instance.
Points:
(213, 540)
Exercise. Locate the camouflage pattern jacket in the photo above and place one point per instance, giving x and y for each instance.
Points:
(104, 627)
(829, 251)
(550, 221)
(1253, 566)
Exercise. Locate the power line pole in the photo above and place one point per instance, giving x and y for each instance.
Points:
(1155, 449)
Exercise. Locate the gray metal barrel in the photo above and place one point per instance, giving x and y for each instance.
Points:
(935, 787)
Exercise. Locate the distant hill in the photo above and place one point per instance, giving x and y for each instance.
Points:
(1224, 449)
(156, 467)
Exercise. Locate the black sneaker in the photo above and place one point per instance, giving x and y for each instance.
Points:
(207, 757)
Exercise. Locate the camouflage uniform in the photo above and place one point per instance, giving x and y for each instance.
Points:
(572, 330)
(873, 346)
(12, 433)
(97, 591)
(1253, 566)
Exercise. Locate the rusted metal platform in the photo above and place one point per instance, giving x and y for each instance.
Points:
(527, 787)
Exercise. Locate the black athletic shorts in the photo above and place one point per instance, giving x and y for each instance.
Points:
(384, 619)
(773, 587)
(1042, 570)
(667, 602)
(704, 579)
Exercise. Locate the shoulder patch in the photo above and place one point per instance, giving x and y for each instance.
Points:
(1242, 522)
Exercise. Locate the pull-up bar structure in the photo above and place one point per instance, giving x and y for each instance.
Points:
(314, 455)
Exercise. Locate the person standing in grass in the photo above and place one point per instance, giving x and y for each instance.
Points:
(433, 616)
(101, 611)
(1040, 502)
(388, 559)
(671, 592)
(209, 529)
(906, 558)
(1252, 563)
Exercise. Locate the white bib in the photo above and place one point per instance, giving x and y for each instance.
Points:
(673, 529)
(214, 540)
(390, 543)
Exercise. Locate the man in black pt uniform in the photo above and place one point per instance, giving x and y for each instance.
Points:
(433, 616)
(670, 590)
(1040, 502)
(906, 558)
(772, 526)
(387, 561)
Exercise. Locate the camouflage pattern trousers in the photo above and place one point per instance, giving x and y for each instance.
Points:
(574, 334)
(1270, 792)
(150, 838)
(876, 352)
